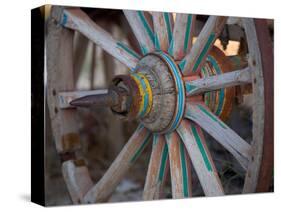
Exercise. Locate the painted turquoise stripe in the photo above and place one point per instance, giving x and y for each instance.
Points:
(156, 42)
(141, 148)
(204, 51)
(163, 163)
(128, 50)
(187, 32)
(211, 116)
(182, 64)
(168, 26)
(222, 91)
(207, 94)
(155, 139)
(189, 87)
(171, 47)
(181, 91)
(64, 20)
(184, 170)
(201, 147)
(146, 26)
(144, 50)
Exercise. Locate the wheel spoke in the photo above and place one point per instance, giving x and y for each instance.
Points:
(130, 152)
(212, 83)
(195, 144)
(192, 62)
(180, 167)
(77, 20)
(157, 169)
(163, 28)
(200, 114)
(142, 29)
(182, 35)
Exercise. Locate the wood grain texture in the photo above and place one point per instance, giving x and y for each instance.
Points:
(77, 20)
(201, 159)
(162, 30)
(230, 140)
(213, 83)
(180, 167)
(259, 126)
(113, 176)
(142, 29)
(157, 169)
(193, 61)
(77, 179)
(59, 48)
(182, 35)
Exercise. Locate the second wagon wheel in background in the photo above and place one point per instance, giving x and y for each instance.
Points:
(164, 92)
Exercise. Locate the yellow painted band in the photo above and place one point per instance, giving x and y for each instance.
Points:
(145, 93)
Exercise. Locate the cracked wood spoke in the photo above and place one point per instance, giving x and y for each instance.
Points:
(193, 61)
(195, 144)
(212, 83)
(230, 140)
(182, 35)
(77, 179)
(163, 27)
(142, 29)
(157, 169)
(130, 152)
(180, 167)
(77, 20)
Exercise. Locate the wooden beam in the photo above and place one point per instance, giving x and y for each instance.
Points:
(59, 48)
(76, 19)
(216, 82)
(239, 148)
(157, 169)
(142, 30)
(192, 62)
(180, 167)
(115, 173)
(77, 179)
(203, 164)
(182, 35)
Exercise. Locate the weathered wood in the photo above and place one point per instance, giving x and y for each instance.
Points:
(59, 48)
(77, 179)
(203, 164)
(182, 35)
(267, 57)
(157, 169)
(76, 19)
(193, 61)
(64, 98)
(255, 63)
(212, 83)
(180, 167)
(130, 152)
(81, 44)
(142, 30)
(163, 28)
(238, 147)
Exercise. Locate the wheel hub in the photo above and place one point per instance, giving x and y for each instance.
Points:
(157, 92)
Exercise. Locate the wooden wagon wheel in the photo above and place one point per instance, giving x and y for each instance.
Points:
(165, 92)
